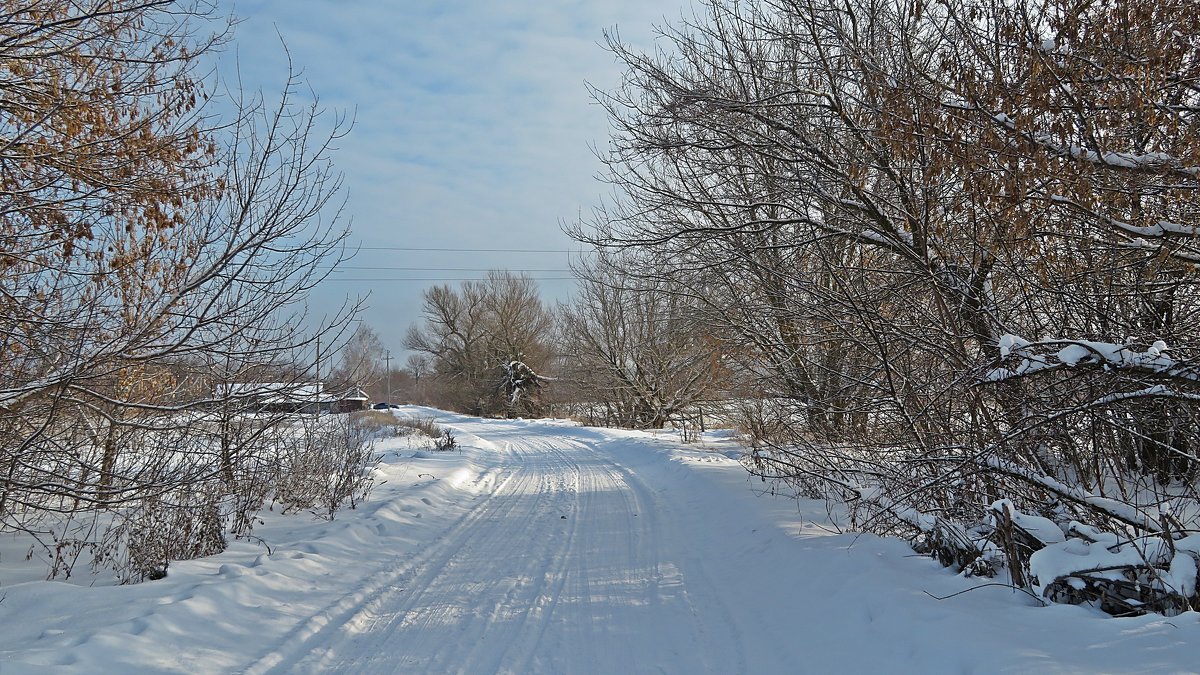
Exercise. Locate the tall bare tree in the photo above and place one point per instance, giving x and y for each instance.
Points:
(360, 362)
(474, 333)
(953, 241)
(639, 353)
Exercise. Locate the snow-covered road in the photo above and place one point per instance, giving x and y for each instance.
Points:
(545, 547)
(569, 560)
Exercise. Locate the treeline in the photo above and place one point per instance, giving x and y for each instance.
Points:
(947, 251)
(625, 352)
(157, 242)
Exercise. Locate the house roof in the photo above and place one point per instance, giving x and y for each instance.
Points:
(289, 392)
(354, 394)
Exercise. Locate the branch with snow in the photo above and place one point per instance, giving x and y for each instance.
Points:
(1117, 510)
(1155, 162)
(1020, 358)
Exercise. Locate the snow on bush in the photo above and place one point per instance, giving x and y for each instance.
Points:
(216, 480)
(521, 387)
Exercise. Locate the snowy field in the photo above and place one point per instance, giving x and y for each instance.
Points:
(544, 547)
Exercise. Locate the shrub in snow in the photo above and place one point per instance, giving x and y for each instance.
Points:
(329, 464)
(180, 525)
(1122, 576)
(223, 475)
(422, 425)
(521, 388)
(1069, 562)
(446, 441)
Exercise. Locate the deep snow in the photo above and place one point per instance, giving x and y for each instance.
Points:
(545, 547)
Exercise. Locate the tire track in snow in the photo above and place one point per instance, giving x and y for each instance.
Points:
(524, 636)
(301, 640)
(470, 584)
(554, 583)
(515, 588)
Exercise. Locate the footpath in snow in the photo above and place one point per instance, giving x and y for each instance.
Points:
(545, 547)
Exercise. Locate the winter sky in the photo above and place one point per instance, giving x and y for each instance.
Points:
(473, 128)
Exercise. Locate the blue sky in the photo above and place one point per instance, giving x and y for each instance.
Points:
(473, 127)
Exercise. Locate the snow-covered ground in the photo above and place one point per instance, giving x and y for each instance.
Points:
(544, 547)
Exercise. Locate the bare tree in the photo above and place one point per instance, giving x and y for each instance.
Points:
(638, 352)
(952, 241)
(472, 335)
(418, 368)
(360, 360)
(151, 255)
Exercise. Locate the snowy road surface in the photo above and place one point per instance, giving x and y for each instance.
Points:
(543, 547)
(569, 560)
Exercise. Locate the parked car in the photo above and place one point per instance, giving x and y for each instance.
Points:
(384, 405)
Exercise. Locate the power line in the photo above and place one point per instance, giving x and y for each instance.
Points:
(472, 250)
(430, 268)
(438, 279)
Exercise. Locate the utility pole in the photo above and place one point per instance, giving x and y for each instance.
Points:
(387, 360)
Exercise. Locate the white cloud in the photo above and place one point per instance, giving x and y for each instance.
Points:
(473, 123)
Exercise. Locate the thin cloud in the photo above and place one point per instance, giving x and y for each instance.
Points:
(472, 121)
